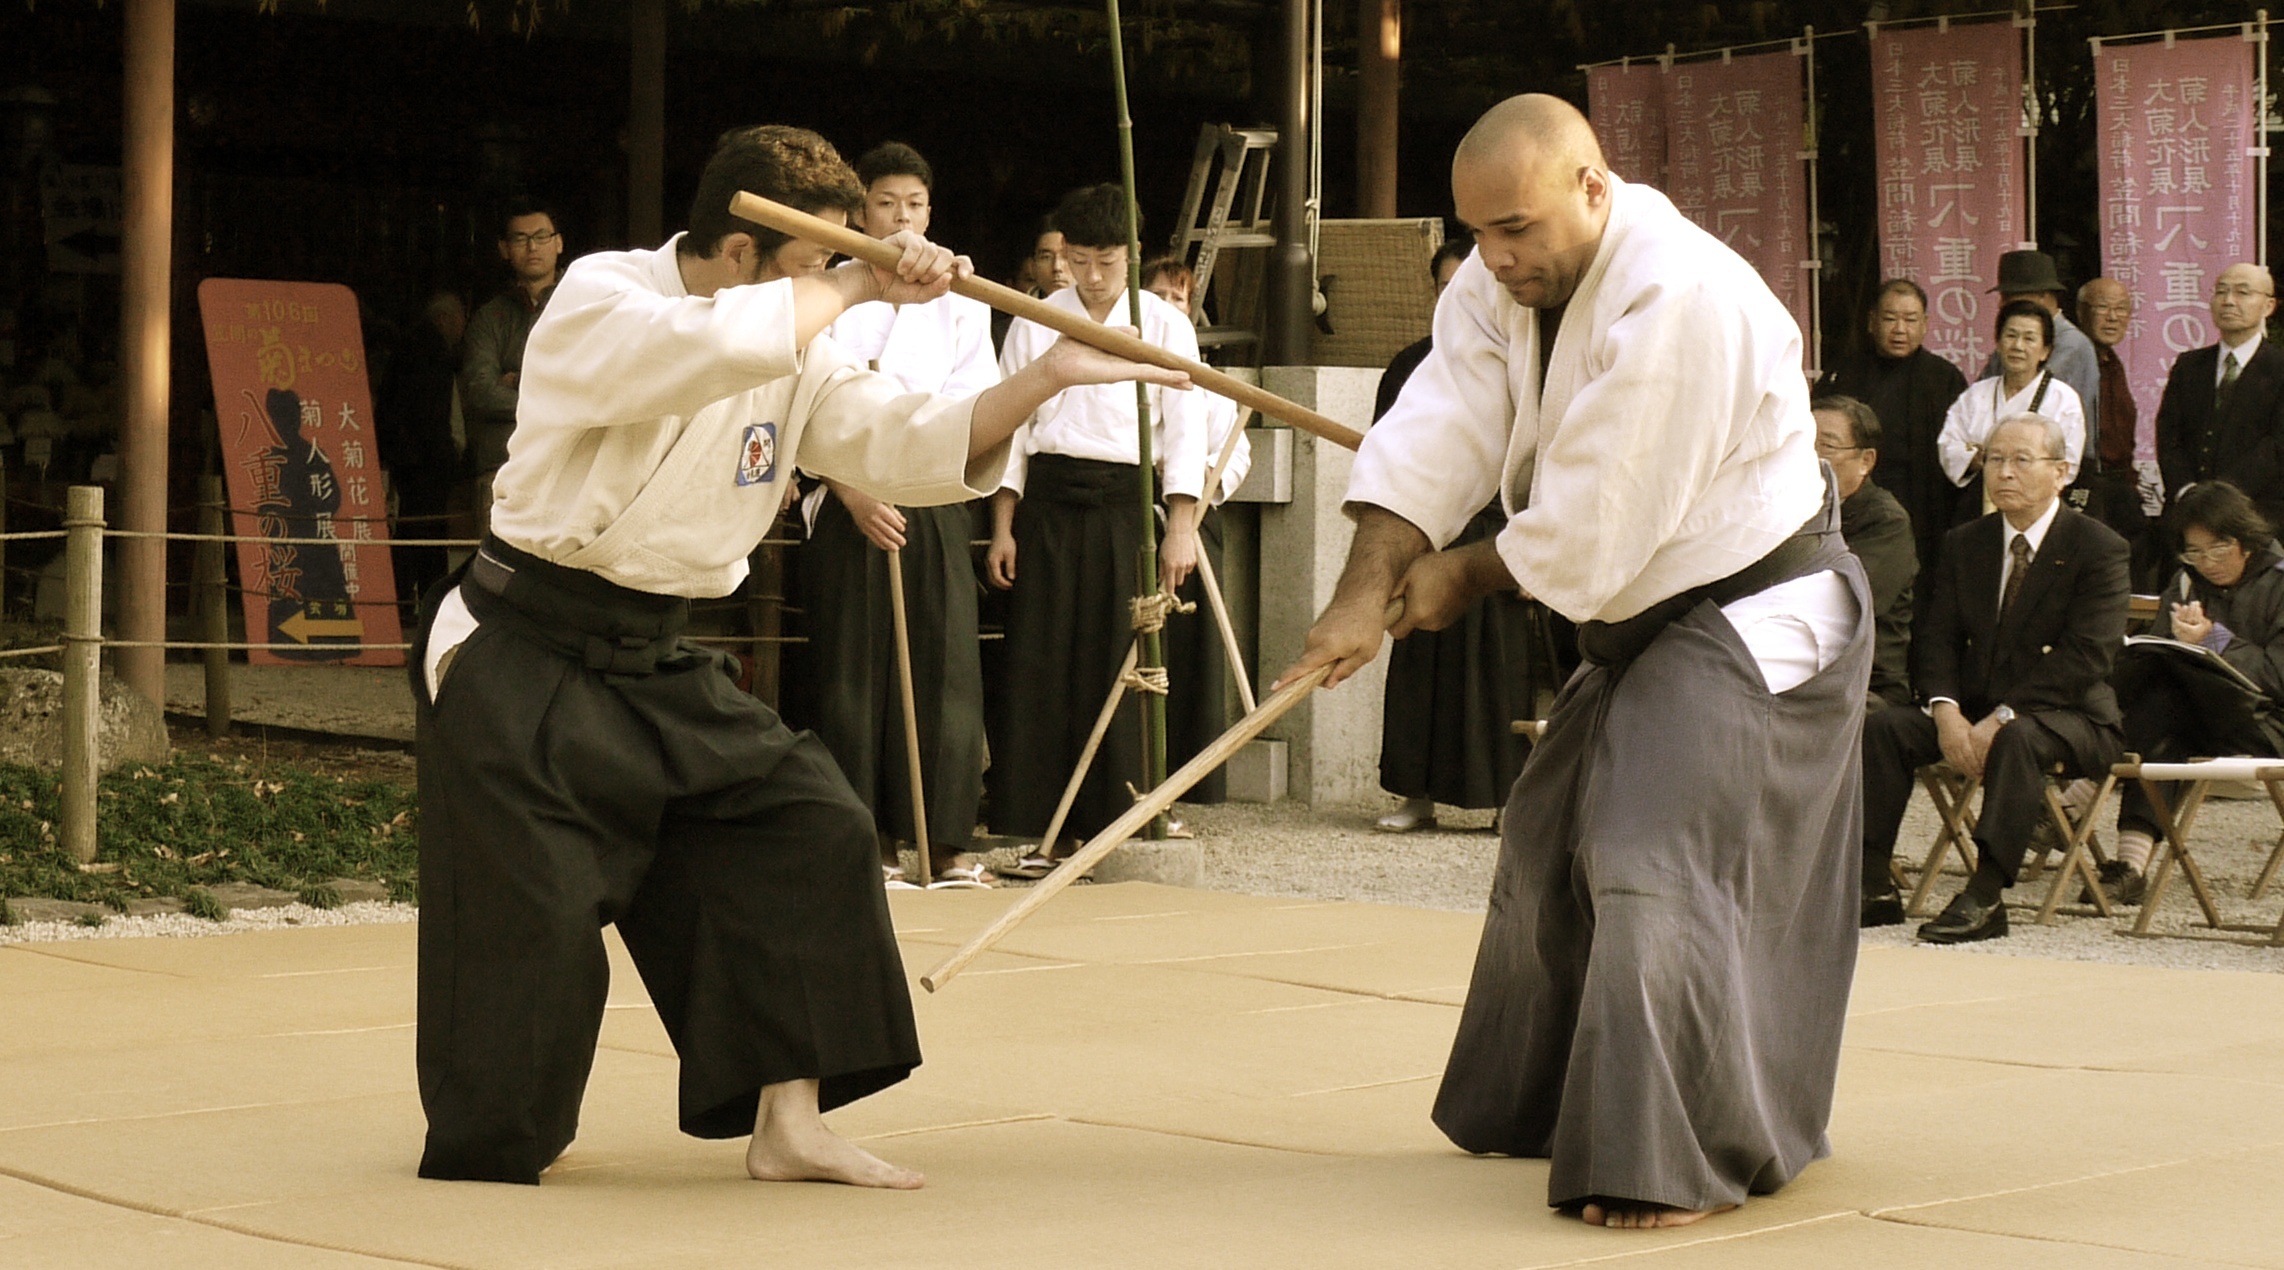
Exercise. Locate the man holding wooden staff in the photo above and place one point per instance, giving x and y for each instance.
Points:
(1658, 998)
(581, 764)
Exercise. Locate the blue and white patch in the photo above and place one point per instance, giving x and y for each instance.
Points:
(757, 454)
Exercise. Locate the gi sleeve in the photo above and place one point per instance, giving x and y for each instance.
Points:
(1182, 414)
(610, 350)
(1026, 340)
(861, 427)
(1435, 457)
(974, 366)
(1957, 434)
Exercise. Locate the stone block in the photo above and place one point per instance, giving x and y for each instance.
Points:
(1175, 862)
(1333, 738)
(130, 729)
(1258, 772)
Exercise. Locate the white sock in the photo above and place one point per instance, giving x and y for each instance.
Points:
(2134, 848)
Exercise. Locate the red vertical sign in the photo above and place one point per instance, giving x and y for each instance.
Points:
(1947, 111)
(288, 362)
(2173, 126)
(1734, 165)
(1626, 104)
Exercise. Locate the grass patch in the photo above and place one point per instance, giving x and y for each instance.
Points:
(202, 820)
(200, 902)
(91, 920)
(7, 914)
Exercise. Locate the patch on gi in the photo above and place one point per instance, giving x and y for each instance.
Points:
(757, 454)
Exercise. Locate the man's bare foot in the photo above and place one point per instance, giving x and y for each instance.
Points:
(1619, 1214)
(792, 1144)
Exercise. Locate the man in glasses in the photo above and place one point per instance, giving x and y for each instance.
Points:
(2027, 615)
(2222, 415)
(1878, 529)
(493, 359)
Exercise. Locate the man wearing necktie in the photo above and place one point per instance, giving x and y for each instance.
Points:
(2014, 657)
(2222, 416)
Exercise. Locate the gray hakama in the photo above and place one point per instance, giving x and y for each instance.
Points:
(1658, 998)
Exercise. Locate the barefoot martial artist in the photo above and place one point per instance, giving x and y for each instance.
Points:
(1657, 1002)
(581, 765)
(943, 346)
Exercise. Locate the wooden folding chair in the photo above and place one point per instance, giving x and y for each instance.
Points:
(2081, 854)
(2174, 824)
(1953, 796)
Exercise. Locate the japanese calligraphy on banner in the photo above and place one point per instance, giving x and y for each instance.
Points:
(1947, 107)
(1733, 165)
(2177, 192)
(288, 360)
(1626, 104)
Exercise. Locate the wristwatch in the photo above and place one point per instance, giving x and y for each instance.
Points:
(2004, 714)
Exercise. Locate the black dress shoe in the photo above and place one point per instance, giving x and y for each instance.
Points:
(1965, 920)
(1882, 908)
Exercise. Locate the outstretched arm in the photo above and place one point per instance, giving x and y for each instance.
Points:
(1347, 634)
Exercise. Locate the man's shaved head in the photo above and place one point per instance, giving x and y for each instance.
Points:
(1544, 127)
(1530, 182)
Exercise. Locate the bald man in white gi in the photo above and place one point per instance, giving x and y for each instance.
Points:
(1657, 1001)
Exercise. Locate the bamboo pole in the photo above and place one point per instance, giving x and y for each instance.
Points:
(212, 603)
(911, 711)
(1140, 814)
(1146, 581)
(1078, 326)
(82, 666)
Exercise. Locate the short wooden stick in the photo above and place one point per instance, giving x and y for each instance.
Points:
(1078, 326)
(1228, 632)
(911, 711)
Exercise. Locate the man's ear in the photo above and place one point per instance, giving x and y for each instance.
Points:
(504, 252)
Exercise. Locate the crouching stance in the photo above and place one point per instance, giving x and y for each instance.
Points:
(581, 765)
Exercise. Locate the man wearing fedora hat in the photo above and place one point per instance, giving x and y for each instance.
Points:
(2030, 275)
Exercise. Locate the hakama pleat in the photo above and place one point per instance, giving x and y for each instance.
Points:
(1197, 666)
(1658, 998)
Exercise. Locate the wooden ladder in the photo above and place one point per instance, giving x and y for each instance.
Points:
(1235, 161)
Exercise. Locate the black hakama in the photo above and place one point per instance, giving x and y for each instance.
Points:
(581, 766)
(852, 654)
(1447, 718)
(1078, 530)
(1658, 999)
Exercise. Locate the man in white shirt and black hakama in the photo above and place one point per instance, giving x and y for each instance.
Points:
(942, 347)
(1066, 536)
(580, 764)
(1658, 999)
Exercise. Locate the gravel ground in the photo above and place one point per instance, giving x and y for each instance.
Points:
(182, 925)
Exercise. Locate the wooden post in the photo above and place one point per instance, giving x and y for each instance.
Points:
(1379, 48)
(145, 294)
(82, 666)
(911, 714)
(646, 125)
(213, 603)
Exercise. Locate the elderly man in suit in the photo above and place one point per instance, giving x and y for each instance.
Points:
(2222, 415)
(2027, 615)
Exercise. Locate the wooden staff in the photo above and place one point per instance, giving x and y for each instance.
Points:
(1213, 596)
(911, 710)
(1140, 814)
(1078, 326)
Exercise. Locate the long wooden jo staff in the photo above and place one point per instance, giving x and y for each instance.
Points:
(1078, 326)
(1140, 814)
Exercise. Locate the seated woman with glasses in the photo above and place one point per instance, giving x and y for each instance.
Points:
(2229, 601)
(2022, 386)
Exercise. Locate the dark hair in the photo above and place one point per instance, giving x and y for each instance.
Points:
(2222, 510)
(1898, 286)
(1167, 265)
(1863, 422)
(523, 205)
(894, 158)
(1453, 249)
(1095, 216)
(2013, 309)
(793, 166)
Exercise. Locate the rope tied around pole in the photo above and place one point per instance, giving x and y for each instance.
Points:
(1150, 611)
(1150, 679)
